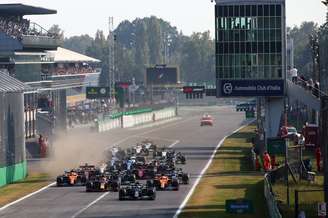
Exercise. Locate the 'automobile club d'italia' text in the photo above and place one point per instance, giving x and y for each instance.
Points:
(257, 88)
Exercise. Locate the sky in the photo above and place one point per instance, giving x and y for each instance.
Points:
(78, 17)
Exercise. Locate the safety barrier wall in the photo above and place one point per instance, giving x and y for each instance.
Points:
(10, 174)
(131, 120)
(165, 114)
(109, 124)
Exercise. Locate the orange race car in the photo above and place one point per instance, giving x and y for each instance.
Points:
(77, 176)
(166, 182)
(69, 179)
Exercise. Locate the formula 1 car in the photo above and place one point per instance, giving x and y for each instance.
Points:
(78, 176)
(180, 158)
(145, 171)
(99, 183)
(140, 150)
(183, 178)
(149, 145)
(114, 182)
(138, 160)
(137, 191)
(206, 120)
(70, 178)
(87, 171)
(127, 177)
(166, 182)
(117, 153)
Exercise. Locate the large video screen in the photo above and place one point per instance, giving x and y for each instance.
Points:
(162, 75)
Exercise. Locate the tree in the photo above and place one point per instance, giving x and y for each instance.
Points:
(55, 29)
(155, 41)
(142, 49)
(140, 43)
(302, 48)
(78, 43)
(197, 64)
(99, 50)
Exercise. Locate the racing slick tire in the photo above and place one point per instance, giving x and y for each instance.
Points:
(153, 197)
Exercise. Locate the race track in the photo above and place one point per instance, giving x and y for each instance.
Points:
(185, 134)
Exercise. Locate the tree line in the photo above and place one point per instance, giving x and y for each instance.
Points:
(150, 40)
(146, 42)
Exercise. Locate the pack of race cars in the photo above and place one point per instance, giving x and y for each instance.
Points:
(135, 173)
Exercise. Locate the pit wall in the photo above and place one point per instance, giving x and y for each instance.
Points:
(129, 120)
(10, 174)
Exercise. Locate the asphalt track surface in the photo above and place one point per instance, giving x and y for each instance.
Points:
(197, 143)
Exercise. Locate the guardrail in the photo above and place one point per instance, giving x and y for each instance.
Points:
(270, 198)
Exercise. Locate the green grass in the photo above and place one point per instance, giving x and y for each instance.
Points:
(21, 188)
(307, 201)
(230, 176)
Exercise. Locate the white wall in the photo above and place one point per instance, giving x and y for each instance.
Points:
(138, 119)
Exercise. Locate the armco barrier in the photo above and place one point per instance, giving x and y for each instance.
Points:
(270, 198)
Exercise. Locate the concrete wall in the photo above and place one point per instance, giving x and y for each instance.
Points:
(109, 124)
(136, 119)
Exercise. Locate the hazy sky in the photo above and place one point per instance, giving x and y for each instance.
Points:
(78, 17)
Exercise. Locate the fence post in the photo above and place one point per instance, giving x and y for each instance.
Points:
(296, 204)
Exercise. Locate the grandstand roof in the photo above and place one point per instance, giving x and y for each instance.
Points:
(21, 9)
(63, 55)
(10, 84)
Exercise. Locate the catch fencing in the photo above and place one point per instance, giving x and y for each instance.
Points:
(270, 198)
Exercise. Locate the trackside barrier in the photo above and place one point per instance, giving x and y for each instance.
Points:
(135, 118)
(165, 114)
(270, 198)
(109, 124)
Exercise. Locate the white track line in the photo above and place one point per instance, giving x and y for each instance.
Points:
(89, 205)
(174, 144)
(26, 196)
(183, 204)
(44, 188)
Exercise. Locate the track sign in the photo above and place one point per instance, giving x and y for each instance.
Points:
(322, 209)
(123, 85)
(193, 89)
(193, 92)
(240, 206)
(97, 92)
(162, 75)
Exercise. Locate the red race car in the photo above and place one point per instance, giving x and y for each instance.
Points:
(206, 120)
